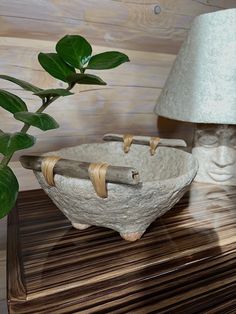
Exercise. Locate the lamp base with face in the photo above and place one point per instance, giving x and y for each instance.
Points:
(215, 149)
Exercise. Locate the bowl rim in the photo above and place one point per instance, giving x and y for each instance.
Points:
(169, 181)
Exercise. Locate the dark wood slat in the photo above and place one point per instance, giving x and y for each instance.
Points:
(16, 280)
(185, 262)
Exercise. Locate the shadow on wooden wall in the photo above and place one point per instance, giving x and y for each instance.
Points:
(176, 129)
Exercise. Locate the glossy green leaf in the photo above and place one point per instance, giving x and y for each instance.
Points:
(107, 60)
(75, 50)
(11, 142)
(53, 92)
(9, 188)
(25, 85)
(40, 120)
(11, 102)
(55, 66)
(87, 79)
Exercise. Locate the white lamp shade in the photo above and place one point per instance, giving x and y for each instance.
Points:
(201, 86)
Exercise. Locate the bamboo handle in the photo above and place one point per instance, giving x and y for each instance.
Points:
(145, 140)
(79, 169)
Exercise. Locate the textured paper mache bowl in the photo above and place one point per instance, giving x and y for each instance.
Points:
(165, 177)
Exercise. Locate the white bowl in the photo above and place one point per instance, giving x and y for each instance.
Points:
(165, 177)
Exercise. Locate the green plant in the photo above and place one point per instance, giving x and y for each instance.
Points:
(72, 52)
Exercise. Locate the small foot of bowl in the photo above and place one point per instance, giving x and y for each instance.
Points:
(79, 226)
(132, 236)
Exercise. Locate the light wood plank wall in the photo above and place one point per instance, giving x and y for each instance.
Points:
(149, 31)
(150, 25)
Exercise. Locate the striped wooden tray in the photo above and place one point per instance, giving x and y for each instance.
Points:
(185, 263)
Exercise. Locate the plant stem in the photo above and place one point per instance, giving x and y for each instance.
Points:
(41, 109)
(25, 128)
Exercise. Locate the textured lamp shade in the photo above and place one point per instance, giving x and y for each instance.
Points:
(201, 86)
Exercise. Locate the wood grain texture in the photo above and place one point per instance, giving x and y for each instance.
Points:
(185, 263)
(2, 274)
(125, 105)
(150, 25)
(3, 241)
(17, 288)
(3, 307)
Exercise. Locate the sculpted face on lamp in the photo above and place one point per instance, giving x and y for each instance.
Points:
(215, 149)
(201, 89)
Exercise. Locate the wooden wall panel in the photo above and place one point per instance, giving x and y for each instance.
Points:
(150, 25)
(147, 30)
(125, 105)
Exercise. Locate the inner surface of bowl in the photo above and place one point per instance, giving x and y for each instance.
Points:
(167, 162)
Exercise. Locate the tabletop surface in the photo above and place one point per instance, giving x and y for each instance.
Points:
(184, 263)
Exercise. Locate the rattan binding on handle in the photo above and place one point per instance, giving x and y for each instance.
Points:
(97, 174)
(47, 166)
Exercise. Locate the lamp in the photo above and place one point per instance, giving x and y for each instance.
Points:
(201, 88)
